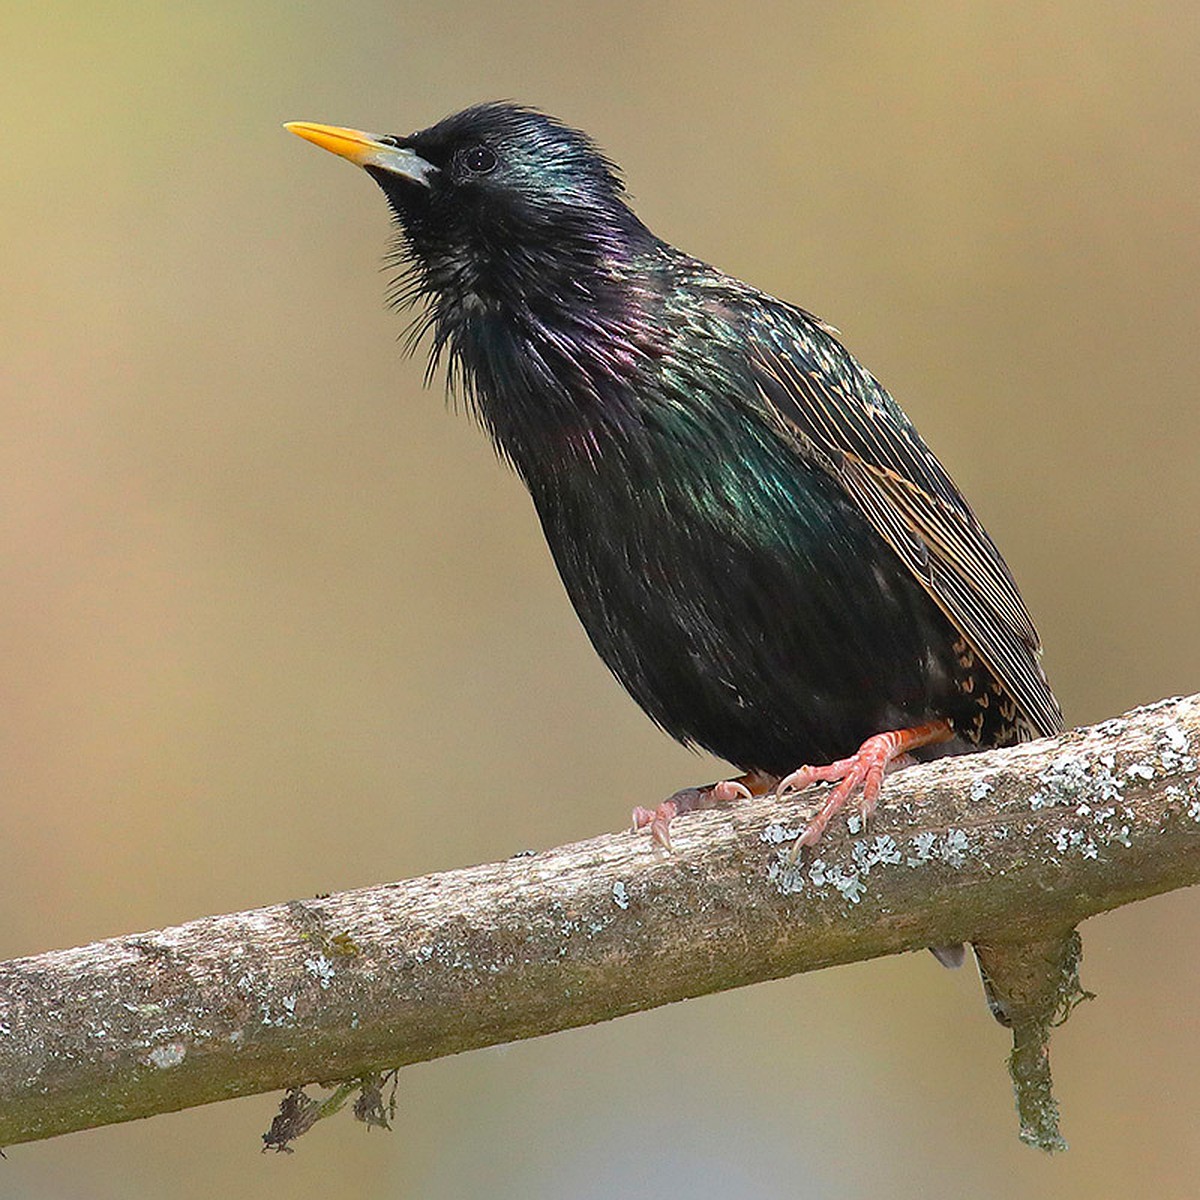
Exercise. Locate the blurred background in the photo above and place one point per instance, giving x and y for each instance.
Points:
(270, 611)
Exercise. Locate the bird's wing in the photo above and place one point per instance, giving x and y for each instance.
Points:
(840, 417)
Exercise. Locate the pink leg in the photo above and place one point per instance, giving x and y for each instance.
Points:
(865, 770)
(744, 787)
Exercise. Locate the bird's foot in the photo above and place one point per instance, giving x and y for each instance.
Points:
(864, 770)
(744, 787)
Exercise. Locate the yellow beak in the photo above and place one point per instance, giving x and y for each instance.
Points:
(366, 150)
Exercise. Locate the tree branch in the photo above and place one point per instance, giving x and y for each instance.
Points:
(1009, 849)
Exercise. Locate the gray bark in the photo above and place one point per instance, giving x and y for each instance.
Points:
(1007, 849)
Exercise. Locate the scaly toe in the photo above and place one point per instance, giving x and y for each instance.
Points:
(641, 818)
(804, 777)
(658, 819)
(866, 769)
(810, 836)
(745, 787)
(660, 826)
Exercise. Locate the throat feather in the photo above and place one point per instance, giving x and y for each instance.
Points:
(551, 380)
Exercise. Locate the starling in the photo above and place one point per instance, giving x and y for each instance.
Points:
(759, 544)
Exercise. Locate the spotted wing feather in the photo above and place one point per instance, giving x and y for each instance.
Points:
(840, 417)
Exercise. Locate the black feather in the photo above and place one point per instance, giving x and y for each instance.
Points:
(756, 539)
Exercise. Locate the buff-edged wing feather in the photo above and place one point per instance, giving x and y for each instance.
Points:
(842, 419)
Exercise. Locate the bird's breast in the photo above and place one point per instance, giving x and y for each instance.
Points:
(740, 599)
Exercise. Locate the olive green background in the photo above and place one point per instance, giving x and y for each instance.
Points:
(274, 622)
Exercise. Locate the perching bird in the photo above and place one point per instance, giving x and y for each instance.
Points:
(758, 543)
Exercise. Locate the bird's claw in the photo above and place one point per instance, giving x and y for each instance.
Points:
(730, 789)
(835, 802)
(659, 820)
(689, 799)
(864, 770)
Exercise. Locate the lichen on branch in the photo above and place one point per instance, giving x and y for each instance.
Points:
(1007, 848)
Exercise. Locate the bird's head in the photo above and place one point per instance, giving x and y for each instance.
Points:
(498, 203)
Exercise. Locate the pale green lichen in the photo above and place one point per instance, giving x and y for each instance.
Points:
(165, 1057)
(923, 849)
(279, 1019)
(1174, 749)
(321, 969)
(980, 789)
(778, 833)
(955, 847)
(848, 879)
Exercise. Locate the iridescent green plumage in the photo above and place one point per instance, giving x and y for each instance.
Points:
(753, 534)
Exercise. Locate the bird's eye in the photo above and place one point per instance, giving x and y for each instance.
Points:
(480, 160)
